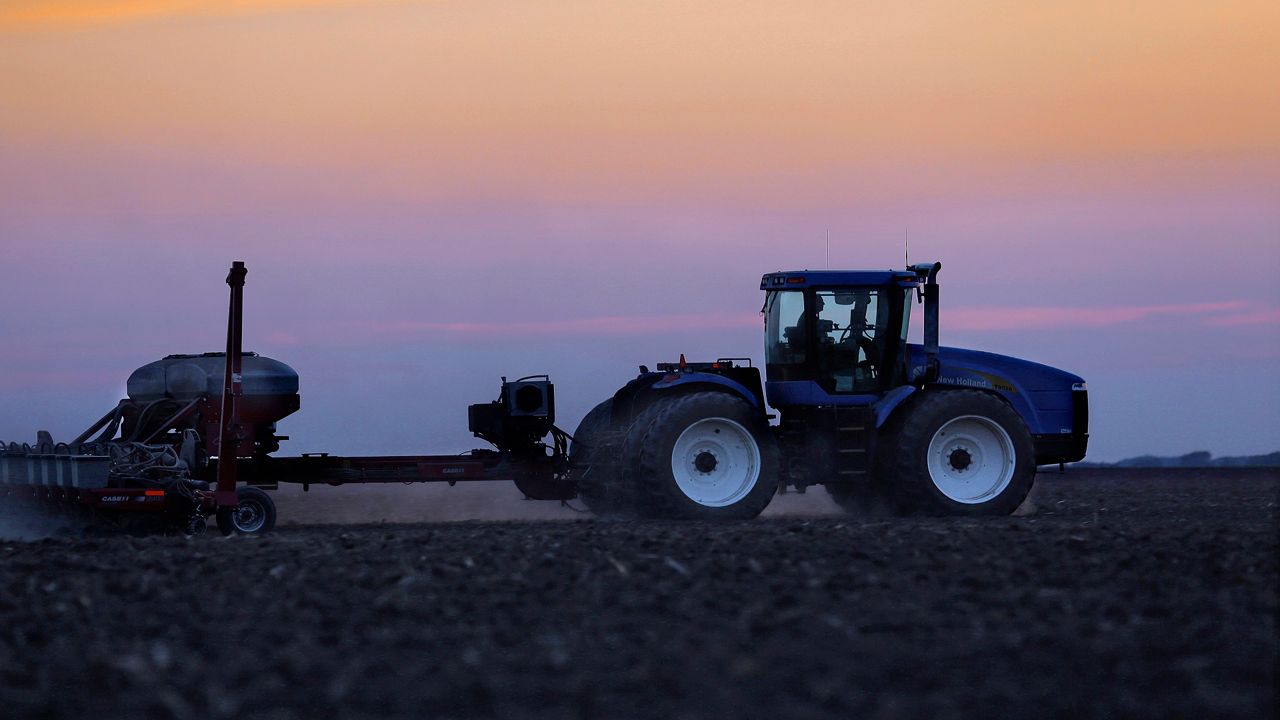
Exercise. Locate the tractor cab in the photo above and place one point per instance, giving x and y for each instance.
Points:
(836, 337)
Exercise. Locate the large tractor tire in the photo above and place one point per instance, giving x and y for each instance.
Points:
(958, 452)
(701, 456)
(255, 514)
(593, 459)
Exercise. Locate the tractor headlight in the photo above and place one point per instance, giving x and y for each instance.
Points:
(1079, 387)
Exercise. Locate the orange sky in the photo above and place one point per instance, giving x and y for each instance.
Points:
(59, 14)
(1100, 179)
(648, 97)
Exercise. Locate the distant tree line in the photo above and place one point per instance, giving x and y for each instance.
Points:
(1198, 459)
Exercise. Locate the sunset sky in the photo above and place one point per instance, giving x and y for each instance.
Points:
(431, 194)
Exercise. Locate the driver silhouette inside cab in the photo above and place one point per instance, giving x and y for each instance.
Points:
(797, 335)
(847, 355)
(860, 333)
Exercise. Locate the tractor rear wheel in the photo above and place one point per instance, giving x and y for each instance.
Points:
(959, 452)
(704, 455)
(593, 462)
(254, 515)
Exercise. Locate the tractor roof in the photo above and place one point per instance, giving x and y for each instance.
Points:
(796, 279)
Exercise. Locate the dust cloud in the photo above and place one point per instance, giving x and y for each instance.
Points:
(437, 502)
(26, 525)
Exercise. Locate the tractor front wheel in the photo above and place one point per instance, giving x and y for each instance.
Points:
(255, 514)
(960, 452)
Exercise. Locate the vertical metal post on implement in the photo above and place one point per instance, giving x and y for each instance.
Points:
(231, 433)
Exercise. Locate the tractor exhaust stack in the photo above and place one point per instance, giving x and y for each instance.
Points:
(929, 273)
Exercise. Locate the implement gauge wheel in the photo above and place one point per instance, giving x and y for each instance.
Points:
(703, 456)
(255, 515)
(959, 452)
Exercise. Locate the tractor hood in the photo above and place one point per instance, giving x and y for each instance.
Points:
(1041, 394)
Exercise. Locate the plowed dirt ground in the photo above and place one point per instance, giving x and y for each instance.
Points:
(1150, 594)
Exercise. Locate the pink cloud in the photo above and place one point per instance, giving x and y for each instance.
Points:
(280, 337)
(609, 325)
(1262, 316)
(15, 380)
(1031, 318)
(980, 318)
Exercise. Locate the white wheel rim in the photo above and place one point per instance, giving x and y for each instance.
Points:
(715, 462)
(971, 459)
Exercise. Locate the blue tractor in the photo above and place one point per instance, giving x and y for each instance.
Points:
(881, 423)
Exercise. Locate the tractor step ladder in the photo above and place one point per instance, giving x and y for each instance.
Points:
(853, 430)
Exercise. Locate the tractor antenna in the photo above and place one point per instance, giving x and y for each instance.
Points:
(906, 248)
(828, 248)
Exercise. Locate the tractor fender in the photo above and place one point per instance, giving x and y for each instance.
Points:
(894, 399)
(885, 406)
(719, 382)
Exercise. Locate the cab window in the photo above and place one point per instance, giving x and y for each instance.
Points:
(849, 331)
(785, 328)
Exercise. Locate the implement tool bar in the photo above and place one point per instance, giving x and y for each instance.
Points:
(232, 387)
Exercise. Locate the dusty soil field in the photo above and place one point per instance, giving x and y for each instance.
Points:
(1120, 595)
